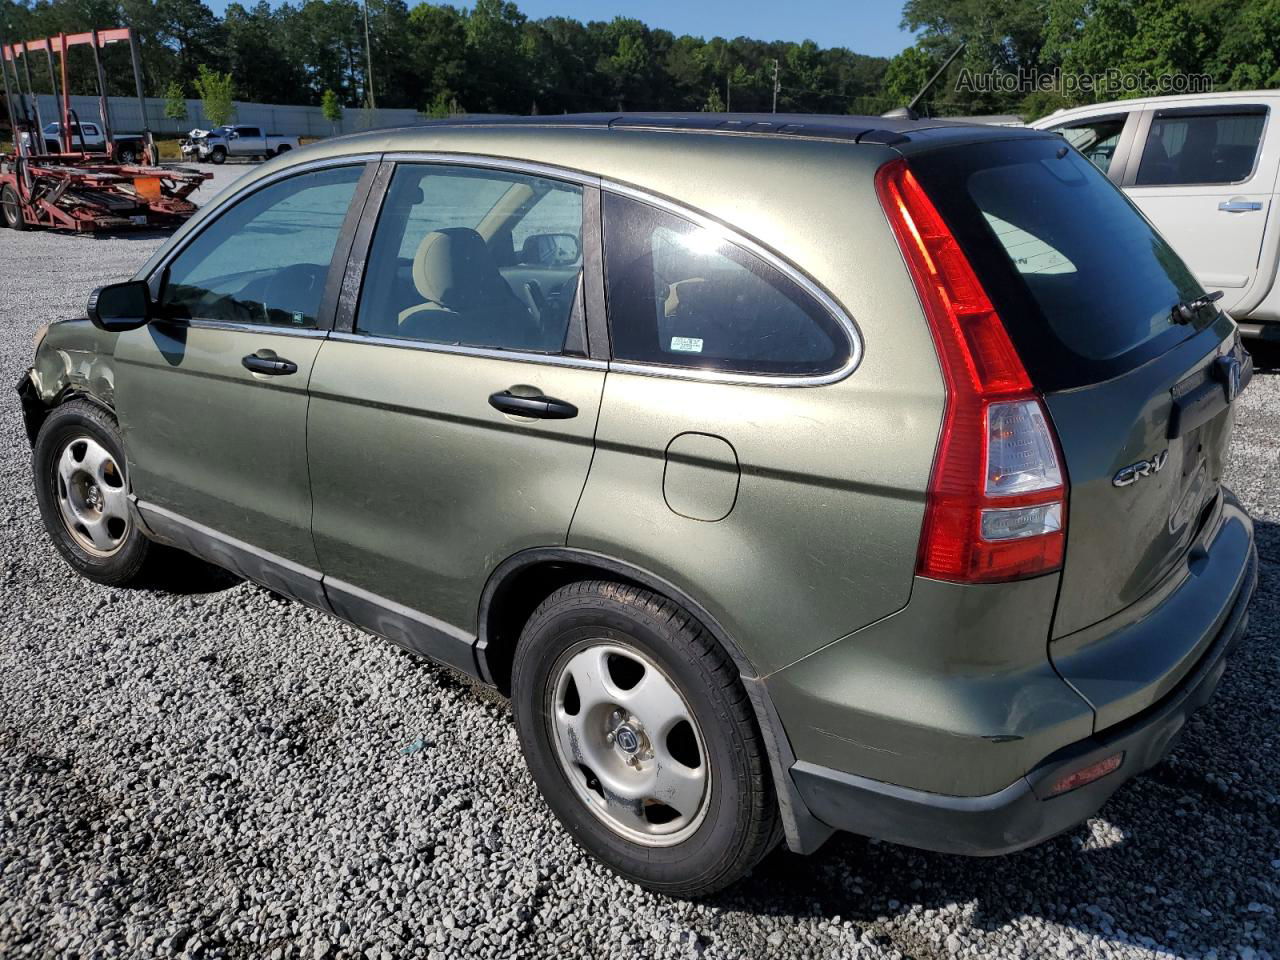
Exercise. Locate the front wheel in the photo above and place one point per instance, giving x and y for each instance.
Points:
(83, 493)
(218, 156)
(11, 208)
(640, 737)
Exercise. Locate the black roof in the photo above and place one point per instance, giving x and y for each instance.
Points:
(885, 130)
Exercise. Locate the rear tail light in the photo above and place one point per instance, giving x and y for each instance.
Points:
(996, 507)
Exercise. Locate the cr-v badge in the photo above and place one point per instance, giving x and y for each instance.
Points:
(1143, 468)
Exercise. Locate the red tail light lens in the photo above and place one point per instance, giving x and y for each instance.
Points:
(997, 496)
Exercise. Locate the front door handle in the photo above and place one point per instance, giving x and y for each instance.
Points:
(1239, 206)
(539, 406)
(271, 366)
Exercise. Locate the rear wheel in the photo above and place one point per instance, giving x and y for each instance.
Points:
(642, 740)
(11, 208)
(83, 493)
(283, 148)
(128, 155)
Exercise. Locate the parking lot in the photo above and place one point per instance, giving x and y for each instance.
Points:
(221, 773)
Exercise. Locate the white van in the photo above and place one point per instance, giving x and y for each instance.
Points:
(1203, 169)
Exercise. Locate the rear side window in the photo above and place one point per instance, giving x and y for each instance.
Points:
(476, 257)
(1201, 147)
(1096, 138)
(1084, 284)
(684, 295)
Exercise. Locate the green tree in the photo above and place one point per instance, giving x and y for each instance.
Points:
(215, 95)
(331, 108)
(257, 55)
(175, 101)
(444, 106)
(906, 76)
(437, 52)
(497, 75)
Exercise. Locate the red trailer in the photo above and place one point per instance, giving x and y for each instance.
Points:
(81, 189)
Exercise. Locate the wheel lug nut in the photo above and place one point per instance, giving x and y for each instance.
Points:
(609, 737)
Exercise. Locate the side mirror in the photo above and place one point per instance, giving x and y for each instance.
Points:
(550, 249)
(120, 306)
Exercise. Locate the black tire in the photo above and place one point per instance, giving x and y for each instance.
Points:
(740, 823)
(68, 422)
(283, 148)
(218, 155)
(128, 156)
(11, 209)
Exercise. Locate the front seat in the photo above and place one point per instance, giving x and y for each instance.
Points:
(465, 298)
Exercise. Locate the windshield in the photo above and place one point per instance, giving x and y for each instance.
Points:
(1082, 281)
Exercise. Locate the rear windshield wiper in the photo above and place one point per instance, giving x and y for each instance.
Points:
(1185, 311)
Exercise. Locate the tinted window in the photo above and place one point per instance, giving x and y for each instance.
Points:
(1096, 138)
(1082, 281)
(683, 295)
(249, 131)
(1210, 146)
(266, 259)
(475, 257)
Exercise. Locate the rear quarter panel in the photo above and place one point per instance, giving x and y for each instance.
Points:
(823, 531)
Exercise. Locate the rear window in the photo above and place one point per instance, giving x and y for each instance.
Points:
(1084, 284)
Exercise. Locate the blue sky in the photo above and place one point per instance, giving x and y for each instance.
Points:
(865, 26)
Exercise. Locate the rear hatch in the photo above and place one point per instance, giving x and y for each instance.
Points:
(1139, 392)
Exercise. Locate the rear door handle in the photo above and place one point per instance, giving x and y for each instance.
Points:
(271, 366)
(544, 408)
(1239, 206)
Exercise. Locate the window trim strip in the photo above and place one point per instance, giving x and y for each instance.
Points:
(488, 353)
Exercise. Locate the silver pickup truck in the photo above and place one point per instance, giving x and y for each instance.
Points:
(234, 141)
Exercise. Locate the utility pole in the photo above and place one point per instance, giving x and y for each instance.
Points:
(728, 93)
(368, 60)
(775, 84)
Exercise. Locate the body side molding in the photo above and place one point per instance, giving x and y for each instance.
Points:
(416, 632)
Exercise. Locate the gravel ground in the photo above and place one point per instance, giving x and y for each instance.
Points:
(225, 774)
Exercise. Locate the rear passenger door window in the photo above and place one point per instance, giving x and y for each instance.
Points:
(474, 257)
(686, 295)
(1216, 146)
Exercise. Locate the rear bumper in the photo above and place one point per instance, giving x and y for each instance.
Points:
(1023, 813)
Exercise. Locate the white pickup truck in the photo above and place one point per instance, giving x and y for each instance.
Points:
(1203, 169)
(239, 141)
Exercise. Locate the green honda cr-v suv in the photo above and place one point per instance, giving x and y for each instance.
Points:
(789, 474)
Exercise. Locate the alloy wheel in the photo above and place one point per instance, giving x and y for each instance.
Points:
(92, 496)
(628, 743)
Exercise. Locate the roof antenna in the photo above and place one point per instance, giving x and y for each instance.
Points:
(909, 111)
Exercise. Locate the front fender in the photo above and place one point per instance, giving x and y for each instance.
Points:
(75, 358)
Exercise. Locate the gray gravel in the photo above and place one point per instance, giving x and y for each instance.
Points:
(225, 774)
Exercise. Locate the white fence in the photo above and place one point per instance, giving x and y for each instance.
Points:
(274, 118)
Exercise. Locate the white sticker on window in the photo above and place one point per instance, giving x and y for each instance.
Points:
(687, 344)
